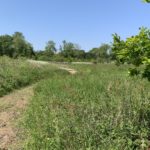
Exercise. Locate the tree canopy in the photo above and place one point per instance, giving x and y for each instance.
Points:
(102, 53)
(147, 1)
(134, 50)
(15, 46)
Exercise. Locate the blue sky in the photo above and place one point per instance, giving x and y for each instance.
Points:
(86, 22)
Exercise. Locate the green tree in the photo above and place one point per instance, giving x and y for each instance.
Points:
(21, 46)
(69, 49)
(147, 1)
(135, 50)
(102, 53)
(49, 51)
(6, 45)
(50, 48)
(79, 54)
(29, 52)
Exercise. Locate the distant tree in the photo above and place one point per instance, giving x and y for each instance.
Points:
(79, 54)
(101, 53)
(48, 53)
(89, 56)
(15, 46)
(69, 49)
(40, 55)
(21, 46)
(50, 48)
(6, 45)
(29, 52)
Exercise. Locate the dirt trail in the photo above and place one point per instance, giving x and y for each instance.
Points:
(11, 108)
(60, 66)
(71, 71)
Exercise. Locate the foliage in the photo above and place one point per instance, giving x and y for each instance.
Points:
(15, 46)
(147, 1)
(71, 50)
(135, 50)
(68, 52)
(96, 109)
(18, 73)
(50, 49)
(102, 53)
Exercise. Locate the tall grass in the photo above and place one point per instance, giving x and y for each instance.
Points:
(99, 108)
(16, 73)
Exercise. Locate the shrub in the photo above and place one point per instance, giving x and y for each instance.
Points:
(16, 73)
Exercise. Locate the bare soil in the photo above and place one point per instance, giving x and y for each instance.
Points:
(11, 108)
(71, 71)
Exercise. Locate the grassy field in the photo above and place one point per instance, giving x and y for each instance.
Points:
(98, 108)
(18, 73)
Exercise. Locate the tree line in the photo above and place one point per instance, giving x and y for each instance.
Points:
(16, 46)
(69, 51)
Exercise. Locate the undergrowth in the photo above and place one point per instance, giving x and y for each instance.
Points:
(17, 73)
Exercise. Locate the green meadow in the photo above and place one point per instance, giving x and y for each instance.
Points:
(17, 73)
(98, 108)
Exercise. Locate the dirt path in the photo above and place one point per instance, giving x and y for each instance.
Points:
(71, 71)
(60, 66)
(11, 108)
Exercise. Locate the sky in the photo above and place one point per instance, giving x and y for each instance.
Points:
(88, 23)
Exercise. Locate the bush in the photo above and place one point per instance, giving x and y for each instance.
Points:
(16, 73)
(135, 50)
